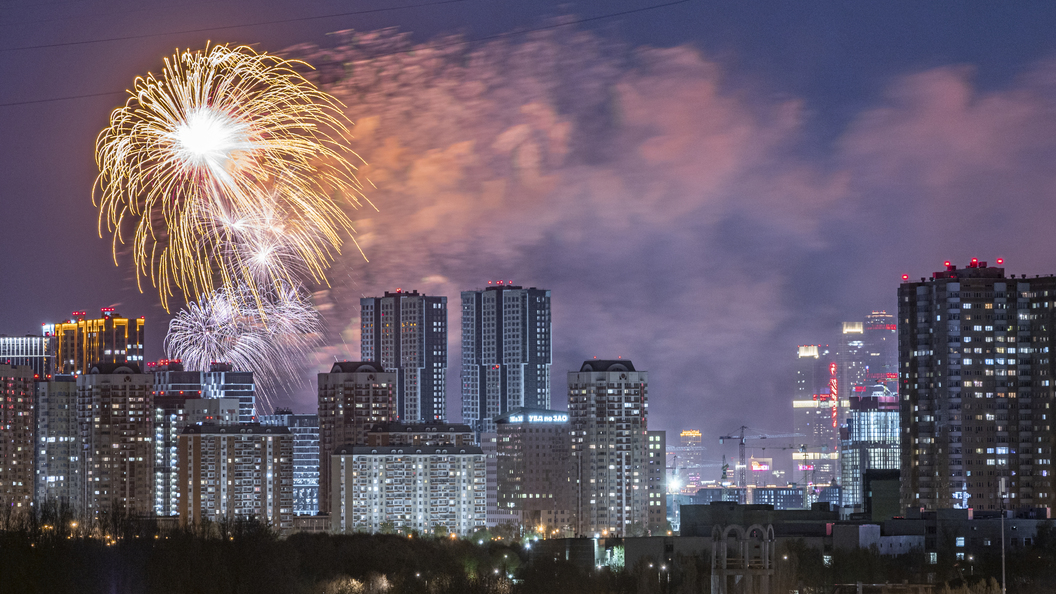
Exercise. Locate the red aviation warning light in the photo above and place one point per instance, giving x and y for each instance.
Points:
(1000, 261)
(905, 277)
(946, 263)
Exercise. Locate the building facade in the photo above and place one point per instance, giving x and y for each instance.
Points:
(608, 404)
(430, 434)
(115, 406)
(655, 472)
(36, 352)
(506, 352)
(354, 397)
(407, 334)
(422, 488)
(236, 472)
(869, 441)
(17, 436)
(223, 381)
(976, 388)
(183, 398)
(305, 431)
(533, 468)
(81, 343)
(59, 463)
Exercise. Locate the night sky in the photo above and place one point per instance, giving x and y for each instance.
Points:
(703, 186)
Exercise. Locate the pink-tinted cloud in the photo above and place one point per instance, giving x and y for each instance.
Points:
(680, 221)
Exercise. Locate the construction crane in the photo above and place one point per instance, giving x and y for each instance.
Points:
(742, 478)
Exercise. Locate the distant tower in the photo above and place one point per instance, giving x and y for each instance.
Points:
(817, 414)
(81, 343)
(407, 333)
(881, 350)
(506, 352)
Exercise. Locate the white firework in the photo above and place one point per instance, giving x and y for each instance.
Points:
(268, 333)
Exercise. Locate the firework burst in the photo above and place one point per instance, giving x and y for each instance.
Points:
(266, 333)
(230, 169)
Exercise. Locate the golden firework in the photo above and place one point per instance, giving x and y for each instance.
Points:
(230, 167)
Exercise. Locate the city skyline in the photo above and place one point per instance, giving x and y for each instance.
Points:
(706, 240)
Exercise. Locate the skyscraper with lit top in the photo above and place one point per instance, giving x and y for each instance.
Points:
(81, 342)
(817, 415)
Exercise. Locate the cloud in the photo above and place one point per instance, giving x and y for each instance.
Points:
(680, 221)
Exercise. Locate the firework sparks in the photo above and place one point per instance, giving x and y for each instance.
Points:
(227, 166)
(267, 333)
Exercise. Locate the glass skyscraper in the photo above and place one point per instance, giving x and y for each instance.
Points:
(869, 441)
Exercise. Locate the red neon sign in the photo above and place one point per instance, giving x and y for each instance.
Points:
(834, 384)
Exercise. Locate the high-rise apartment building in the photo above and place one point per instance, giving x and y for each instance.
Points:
(354, 397)
(506, 352)
(608, 404)
(869, 440)
(81, 343)
(172, 388)
(534, 470)
(305, 432)
(17, 437)
(407, 334)
(37, 352)
(173, 414)
(976, 388)
(412, 487)
(219, 381)
(183, 398)
(818, 414)
(115, 406)
(59, 458)
(236, 472)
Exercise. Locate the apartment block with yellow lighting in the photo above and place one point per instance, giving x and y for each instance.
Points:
(81, 343)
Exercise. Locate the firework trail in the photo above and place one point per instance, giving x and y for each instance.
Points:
(229, 166)
(227, 175)
(267, 334)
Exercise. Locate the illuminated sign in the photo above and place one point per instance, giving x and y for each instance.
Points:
(758, 466)
(538, 418)
(806, 467)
